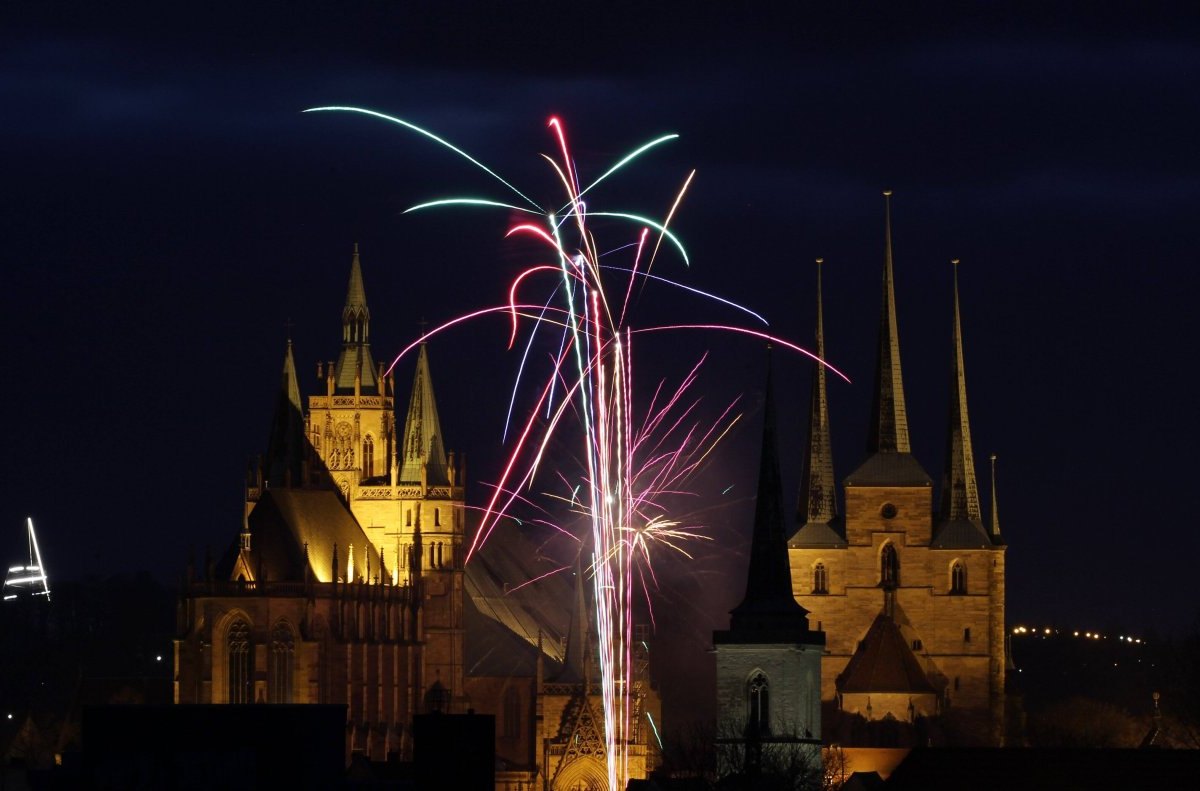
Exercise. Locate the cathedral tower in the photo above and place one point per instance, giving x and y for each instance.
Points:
(912, 599)
(769, 660)
(403, 489)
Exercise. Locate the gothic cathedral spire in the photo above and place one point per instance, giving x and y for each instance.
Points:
(818, 495)
(423, 454)
(285, 446)
(355, 362)
(960, 490)
(889, 427)
(769, 602)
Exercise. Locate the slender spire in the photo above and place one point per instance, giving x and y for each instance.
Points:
(285, 447)
(355, 358)
(769, 581)
(575, 660)
(889, 429)
(818, 501)
(423, 453)
(995, 506)
(960, 490)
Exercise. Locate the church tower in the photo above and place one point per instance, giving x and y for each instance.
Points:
(769, 660)
(912, 599)
(403, 489)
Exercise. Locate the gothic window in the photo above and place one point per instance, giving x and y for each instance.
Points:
(240, 652)
(341, 447)
(368, 457)
(889, 567)
(408, 518)
(283, 650)
(820, 579)
(967, 635)
(512, 713)
(758, 699)
(958, 578)
(439, 555)
(437, 517)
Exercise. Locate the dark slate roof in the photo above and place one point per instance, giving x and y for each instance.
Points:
(492, 649)
(884, 663)
(285, 519)
(818, 535)
(890, 469)
(495, 582)
(961, 534)
(769, 602)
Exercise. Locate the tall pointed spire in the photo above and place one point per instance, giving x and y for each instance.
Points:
(423, 455)
(575, 659)
(818, 491)
(285, 447)
(889, 427)
(769, 601)
(995, 506)
(355, 359)
(960, 490)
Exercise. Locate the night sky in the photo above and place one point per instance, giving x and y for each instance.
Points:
(167, 209)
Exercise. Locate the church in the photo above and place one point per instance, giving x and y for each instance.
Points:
(911, 596)
(346, 583)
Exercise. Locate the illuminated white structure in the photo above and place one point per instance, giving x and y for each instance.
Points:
(29, 579)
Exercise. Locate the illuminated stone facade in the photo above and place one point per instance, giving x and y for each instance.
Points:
(911, 597)
(347, 584)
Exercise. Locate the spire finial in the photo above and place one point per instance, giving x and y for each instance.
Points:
(995, 506)
(287, 326)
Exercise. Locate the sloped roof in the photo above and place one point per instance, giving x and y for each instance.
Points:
(818, 534)
(884, 663)
(889, 469)
(285, 519)
(498, 582)
(961, 534)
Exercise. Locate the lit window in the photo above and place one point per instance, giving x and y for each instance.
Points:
(368, 457)
(958, 578)
(759, 720)
(240, 651)
(820, 579)
(283, 649)
(889, 567)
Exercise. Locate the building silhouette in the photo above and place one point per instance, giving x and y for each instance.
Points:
(769, 660)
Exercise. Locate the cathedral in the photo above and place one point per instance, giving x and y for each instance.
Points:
(910, 595)
(346, 583)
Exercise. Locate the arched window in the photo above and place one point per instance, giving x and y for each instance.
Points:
(759, 708)
(820, 579)
(240, 653)
(889, 567)
(283, 651)
(368, 457)
(512, 713)
(958, 578)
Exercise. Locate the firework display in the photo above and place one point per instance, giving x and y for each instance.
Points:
(632, 458)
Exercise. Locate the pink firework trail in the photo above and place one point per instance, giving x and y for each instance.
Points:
(629, 467)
